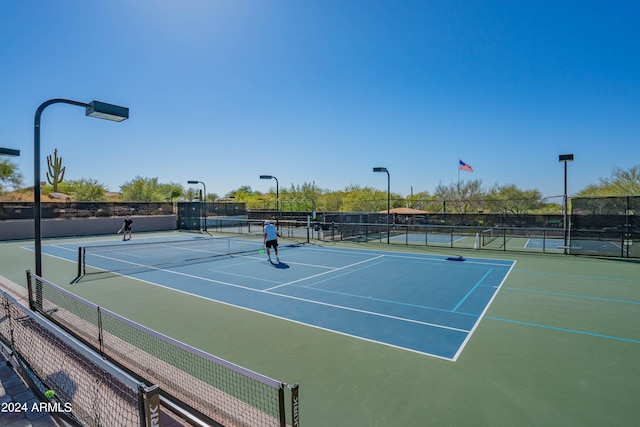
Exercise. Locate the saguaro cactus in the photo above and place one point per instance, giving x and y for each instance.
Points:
(56, 170)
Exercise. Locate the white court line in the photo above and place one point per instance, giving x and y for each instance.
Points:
(486, 308)
(286, 296)
(324, 272)
(409, 255)
(293, 263)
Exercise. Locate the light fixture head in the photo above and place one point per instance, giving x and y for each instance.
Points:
(9, 151)
(102, 110)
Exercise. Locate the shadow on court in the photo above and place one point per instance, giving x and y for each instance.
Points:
(280, 264)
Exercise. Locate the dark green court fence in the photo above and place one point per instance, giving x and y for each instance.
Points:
(75, 210)
(606, 226)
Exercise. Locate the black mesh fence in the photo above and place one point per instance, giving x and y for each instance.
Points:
(199, 216)
(75, 210)
(448, 219)
(605, 226)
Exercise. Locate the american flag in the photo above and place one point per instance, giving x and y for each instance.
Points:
(465, 167)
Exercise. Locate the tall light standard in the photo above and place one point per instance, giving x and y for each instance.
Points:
(277, 193)
(381, 169)
(204, 200)
(100, 110)
(565, 158)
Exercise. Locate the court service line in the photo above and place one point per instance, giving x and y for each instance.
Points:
(372, 313)
(287, 296)
(326, 267)
(343, 274)
(484, 312)
(412, 255)
(388, 301)
(325, 272)
(472, 290)
(170, 271)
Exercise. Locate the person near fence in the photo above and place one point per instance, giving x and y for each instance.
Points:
(127, 227)
(271, 239)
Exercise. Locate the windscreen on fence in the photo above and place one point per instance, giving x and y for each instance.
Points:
(605, 226)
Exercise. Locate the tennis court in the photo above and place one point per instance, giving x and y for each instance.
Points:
(424, 303)
(557, 343)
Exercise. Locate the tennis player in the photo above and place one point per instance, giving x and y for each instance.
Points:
(127, 227)
(271, 239)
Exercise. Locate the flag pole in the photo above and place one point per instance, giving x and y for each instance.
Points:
(458, 177)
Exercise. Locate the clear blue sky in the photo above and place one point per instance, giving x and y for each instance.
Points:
(323, 91)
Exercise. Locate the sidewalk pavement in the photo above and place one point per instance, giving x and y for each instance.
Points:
(17, 399)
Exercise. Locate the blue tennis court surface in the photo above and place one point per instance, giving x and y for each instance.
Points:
(431, 238)
(423, 303)
(548, 243)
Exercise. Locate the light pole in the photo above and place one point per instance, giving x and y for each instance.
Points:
(204, 199)
(277, 193)
(381, 169)
(100, 110)
(565, 158)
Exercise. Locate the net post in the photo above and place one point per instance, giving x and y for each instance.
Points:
(32, 306)
(281, 406)
(504, 239)
(295, 406)
(79, 261)
(35, 303)
(149, 401)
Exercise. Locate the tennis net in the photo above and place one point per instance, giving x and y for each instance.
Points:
(490, 235)
(127, 256)
(207, 387)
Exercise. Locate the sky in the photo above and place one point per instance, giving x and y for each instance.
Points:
(322, 91)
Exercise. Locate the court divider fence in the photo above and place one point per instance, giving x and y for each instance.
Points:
(209, 390)
(615, 241)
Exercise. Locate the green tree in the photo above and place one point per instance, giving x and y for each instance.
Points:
(332, 201)
(10, 177)
(170, 191)
(83, 190)
(142, 190)
(253, 198)
(191, 194)
(424, 201)
(621, 183)
(463, 197)
(510, 199)
(368, 199)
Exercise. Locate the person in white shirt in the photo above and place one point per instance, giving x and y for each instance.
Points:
(271, 239)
